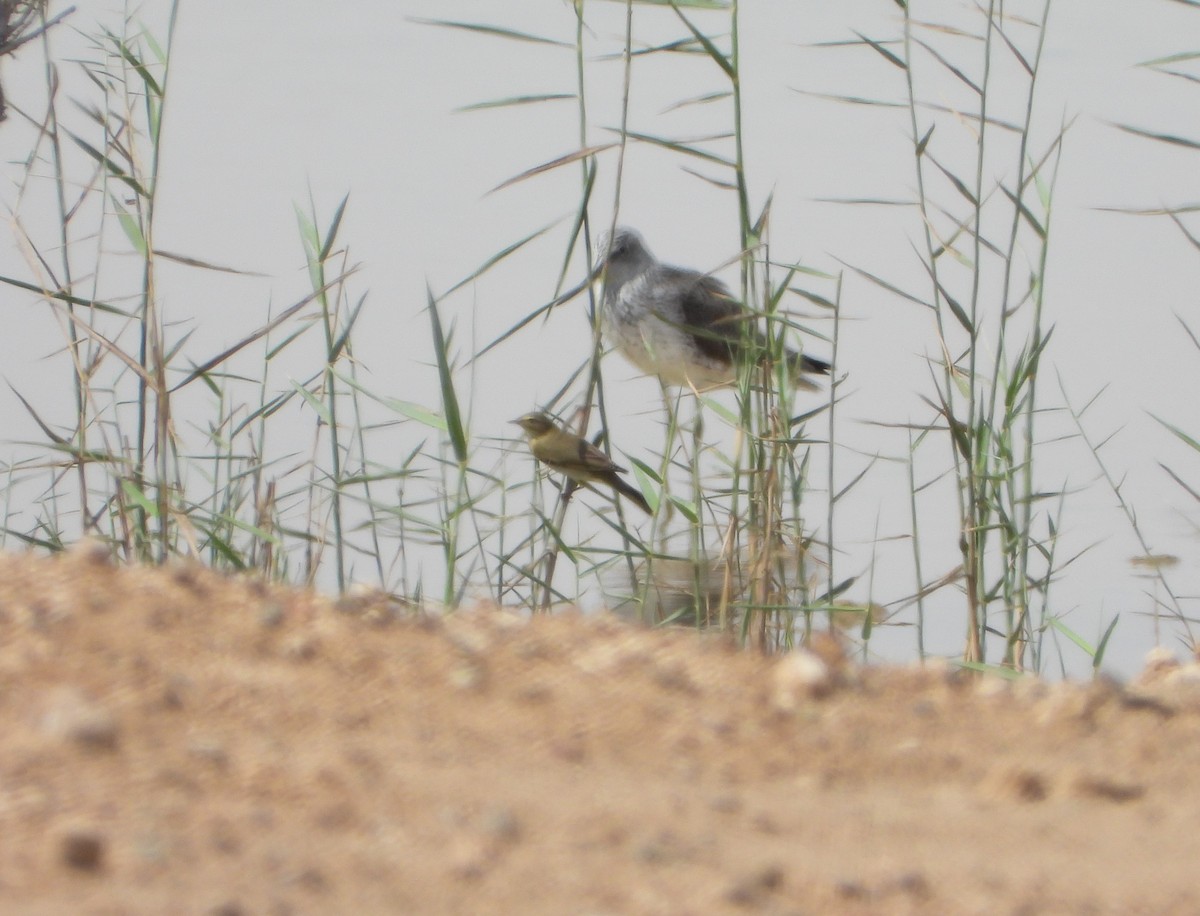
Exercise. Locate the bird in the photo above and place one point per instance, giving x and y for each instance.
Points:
(679, 324)
(575, 457)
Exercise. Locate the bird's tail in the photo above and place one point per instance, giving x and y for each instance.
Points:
(802, 365)
(632, 493)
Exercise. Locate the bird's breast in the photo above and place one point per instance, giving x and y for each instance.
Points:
(645, 322)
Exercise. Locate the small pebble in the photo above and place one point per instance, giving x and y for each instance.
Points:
(1015, 783)
(270, 615)
(71, 716)
(753, 889)
(90, 550)
(1106, 789)
(302, 647)
(501, 824)
(82, 848)
(798, 676)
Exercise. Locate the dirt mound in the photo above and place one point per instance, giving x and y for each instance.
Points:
(179, 742)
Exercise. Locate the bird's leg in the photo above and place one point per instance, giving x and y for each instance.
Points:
(568, 489)
(551, 559)
(700, 589)
(672, 427)
(650, 611)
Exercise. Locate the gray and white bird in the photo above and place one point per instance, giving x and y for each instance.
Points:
(679, 324)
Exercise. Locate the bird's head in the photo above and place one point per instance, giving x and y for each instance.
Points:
(535, 424)
(624, 256)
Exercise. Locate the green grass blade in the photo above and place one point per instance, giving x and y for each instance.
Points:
(1073, 636)
(555, 163)
(454, 424)
(492, 30)
(720, 59)
(1162, 138)
(515, 100)
(334, 225)
(1108, 632)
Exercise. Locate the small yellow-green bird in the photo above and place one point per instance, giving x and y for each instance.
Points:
(575, 457)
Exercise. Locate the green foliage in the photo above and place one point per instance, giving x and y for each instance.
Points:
(741, 537)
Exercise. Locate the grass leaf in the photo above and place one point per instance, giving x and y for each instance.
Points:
(450, 409)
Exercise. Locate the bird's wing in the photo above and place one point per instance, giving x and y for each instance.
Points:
(594, 460)
(704, 306)
(710, 311)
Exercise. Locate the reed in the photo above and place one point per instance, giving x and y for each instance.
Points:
(297, 475)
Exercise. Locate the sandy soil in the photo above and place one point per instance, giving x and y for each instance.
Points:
(175, 742)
